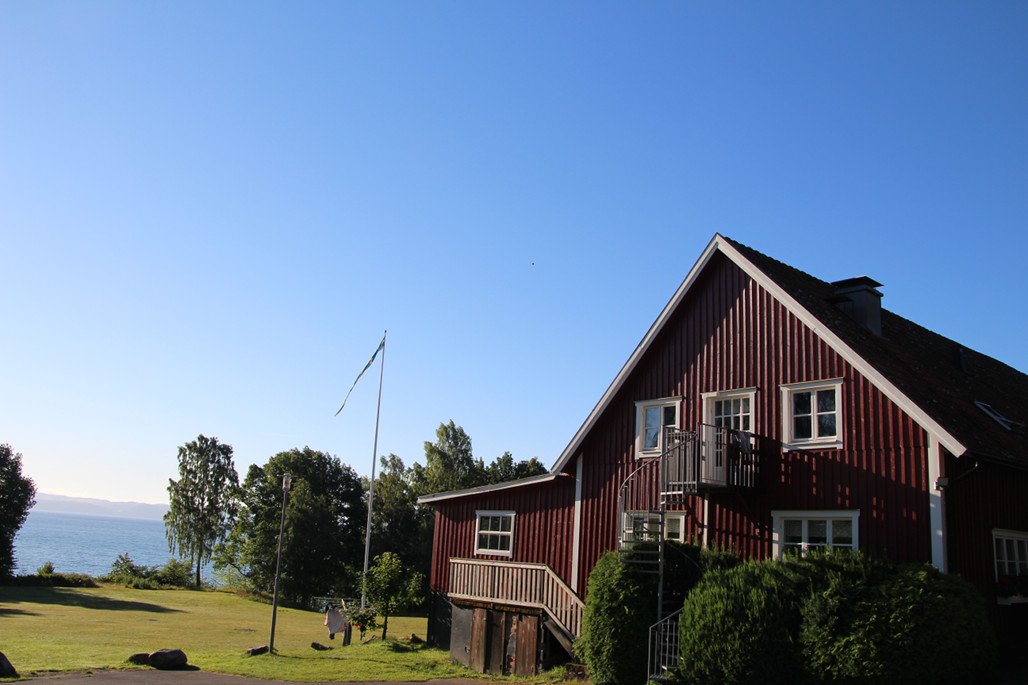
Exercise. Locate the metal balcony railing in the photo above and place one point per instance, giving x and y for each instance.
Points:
(709, 458)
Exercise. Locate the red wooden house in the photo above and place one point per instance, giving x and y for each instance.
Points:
(764, 410)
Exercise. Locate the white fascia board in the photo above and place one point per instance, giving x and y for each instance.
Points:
(482, 489)
(640, 350)
(846, 352)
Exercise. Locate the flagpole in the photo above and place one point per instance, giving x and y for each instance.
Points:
(374, 460)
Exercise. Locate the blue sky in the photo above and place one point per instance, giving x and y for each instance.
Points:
(210, 212)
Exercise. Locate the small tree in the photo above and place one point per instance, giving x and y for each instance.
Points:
(203, 500)
(17, 495)
(392, 587)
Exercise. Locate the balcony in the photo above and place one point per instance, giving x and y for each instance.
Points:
(711, 458)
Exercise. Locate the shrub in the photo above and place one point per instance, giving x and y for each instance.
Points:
(619, 609)
(47, 569)
(52, 580)
(124, 570)
(835, 618)
(875, 623)
(175, 572)
(739, 625)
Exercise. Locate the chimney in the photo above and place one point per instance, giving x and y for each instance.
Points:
(857, 298)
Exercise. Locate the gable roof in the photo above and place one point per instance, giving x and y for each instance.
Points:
(933, 379)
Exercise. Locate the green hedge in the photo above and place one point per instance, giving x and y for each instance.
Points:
(840, 618)
(52, 580)
(905, 625)
(739, 624)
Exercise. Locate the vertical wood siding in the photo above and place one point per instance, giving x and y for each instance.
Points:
(542, 527)
(977, 502)
(729, 333)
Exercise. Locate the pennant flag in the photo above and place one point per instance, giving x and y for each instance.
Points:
(378, 349)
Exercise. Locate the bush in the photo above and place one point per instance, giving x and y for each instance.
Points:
(47, 569)
(739, 625)
(838, 618)
(124, 571)
(874, 623)
(619, 609)
(52, 580)
(175, 572)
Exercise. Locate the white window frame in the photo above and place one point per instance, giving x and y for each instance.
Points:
(1012, 551)
(789, 441)
(806, 516)
(680, 523)
(640, 428)
(709, 398)
(508, 535)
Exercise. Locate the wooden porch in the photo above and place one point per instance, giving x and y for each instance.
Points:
(514, 584)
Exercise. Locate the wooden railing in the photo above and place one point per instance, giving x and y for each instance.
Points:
(518, 584)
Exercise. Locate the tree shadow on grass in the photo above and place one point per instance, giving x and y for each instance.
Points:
(72, 597)
(8, 611)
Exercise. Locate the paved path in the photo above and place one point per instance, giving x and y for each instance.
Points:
(150, 676)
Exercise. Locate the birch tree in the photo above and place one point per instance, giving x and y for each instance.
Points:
(203, 500)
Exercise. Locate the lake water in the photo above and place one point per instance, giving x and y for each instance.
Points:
(87, 544)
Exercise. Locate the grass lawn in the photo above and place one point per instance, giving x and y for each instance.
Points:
(46, 629)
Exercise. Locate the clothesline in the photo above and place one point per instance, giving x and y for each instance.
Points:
(319, 603)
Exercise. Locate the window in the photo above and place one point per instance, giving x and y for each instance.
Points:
(732, 409)
(494, 533)
(798, 531)
(997, 417)
(651, 420)
(640, 526)
(673, 526)
(1011, 549)
(812, 414)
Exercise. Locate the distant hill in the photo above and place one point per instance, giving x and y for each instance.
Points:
(59, 504)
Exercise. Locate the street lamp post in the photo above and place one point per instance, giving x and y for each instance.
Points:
(287, 480)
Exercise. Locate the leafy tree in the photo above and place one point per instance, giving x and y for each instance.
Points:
(17, 495)
(203, 500)
(402, 526)
(399, 525)
(323, 542)
(505, 469)
(449, 464)
(392, 587)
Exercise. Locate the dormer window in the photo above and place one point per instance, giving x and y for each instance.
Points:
(652, 419)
